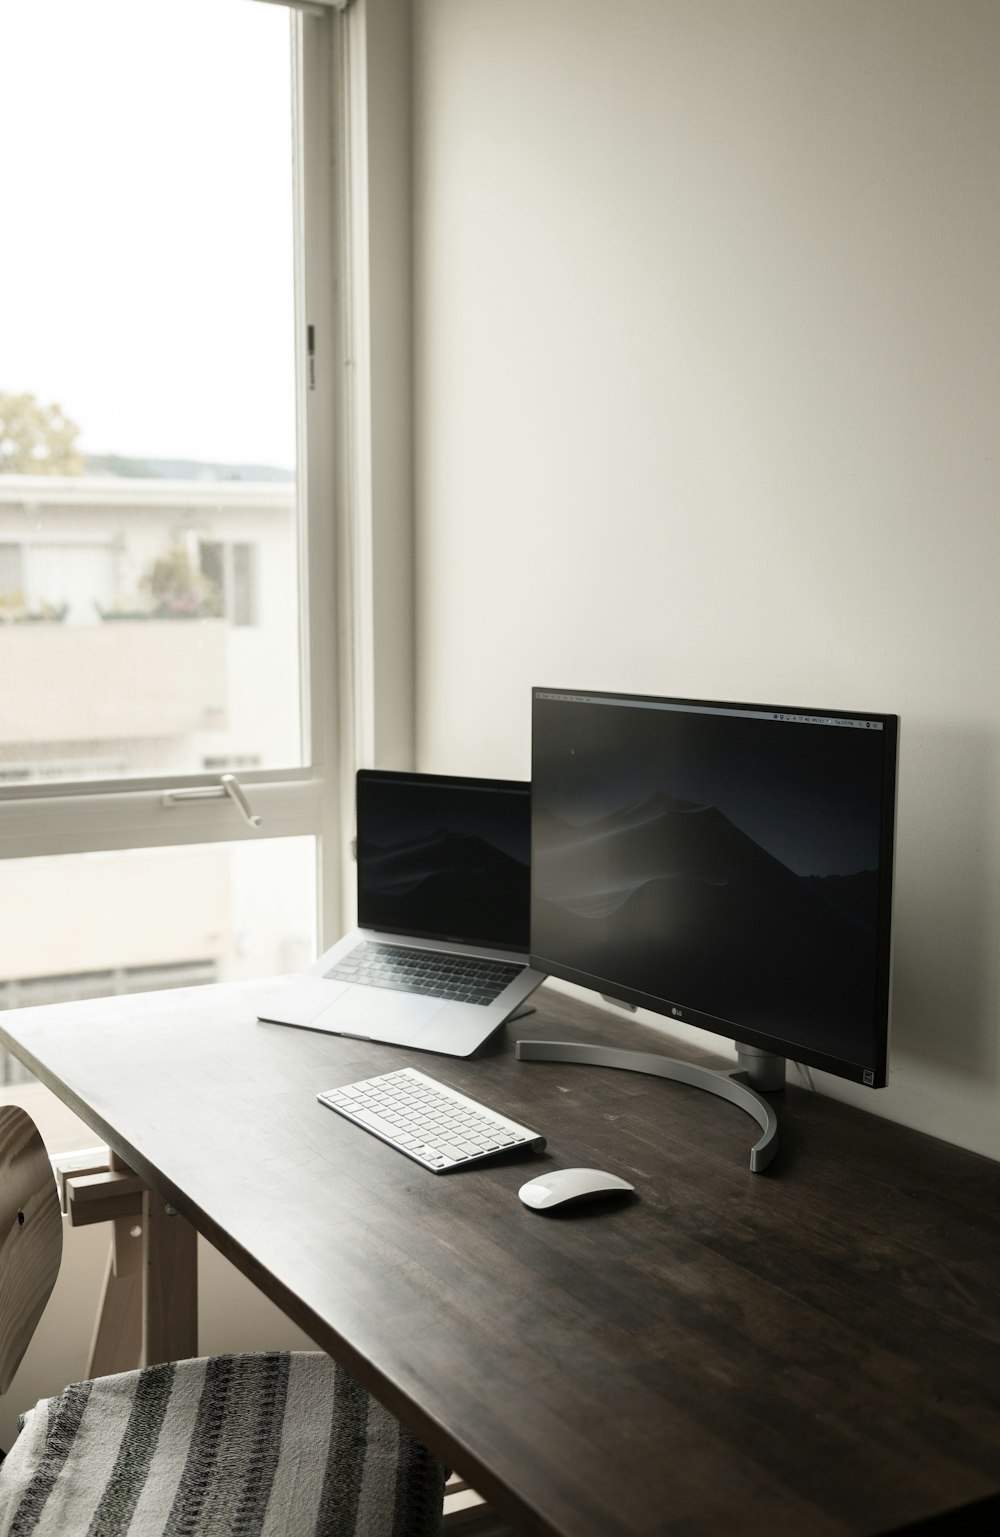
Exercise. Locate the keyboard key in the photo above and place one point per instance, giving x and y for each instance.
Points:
(431, 1123)
(466, 979)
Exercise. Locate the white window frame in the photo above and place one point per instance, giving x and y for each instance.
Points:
(112, 815)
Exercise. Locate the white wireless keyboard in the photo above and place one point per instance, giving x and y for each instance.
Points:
(427, 1121)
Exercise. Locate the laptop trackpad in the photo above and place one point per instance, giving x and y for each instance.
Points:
(378, 1012)
(303, 1001)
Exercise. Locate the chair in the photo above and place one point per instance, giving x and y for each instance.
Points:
(225, 1446)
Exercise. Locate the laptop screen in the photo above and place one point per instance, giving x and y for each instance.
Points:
(442, 857)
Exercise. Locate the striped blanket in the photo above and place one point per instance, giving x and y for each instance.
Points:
(277, 1445)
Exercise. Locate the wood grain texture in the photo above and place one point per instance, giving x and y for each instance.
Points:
(30, 1235)
(102, 1197)
(116, 1343)
(169, 1283)
(812, 1350)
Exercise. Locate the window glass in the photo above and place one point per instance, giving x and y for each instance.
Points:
(244, 584)
(139, 920)
(148, 497)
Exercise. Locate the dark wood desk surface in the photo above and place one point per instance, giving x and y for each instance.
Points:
(812, 1351)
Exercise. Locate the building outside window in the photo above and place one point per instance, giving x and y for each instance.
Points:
(231, 570)
(153, 508)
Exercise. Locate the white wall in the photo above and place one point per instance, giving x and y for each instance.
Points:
(707, 380)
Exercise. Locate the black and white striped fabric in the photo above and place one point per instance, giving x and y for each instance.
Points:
(275, 1445)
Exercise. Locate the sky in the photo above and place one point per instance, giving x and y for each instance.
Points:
(146, 224)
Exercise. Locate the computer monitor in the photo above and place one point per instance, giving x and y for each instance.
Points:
(728, 865)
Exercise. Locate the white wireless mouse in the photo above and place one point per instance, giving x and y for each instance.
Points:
(548, 1190)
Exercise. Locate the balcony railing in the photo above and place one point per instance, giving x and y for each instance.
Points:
(135, 679)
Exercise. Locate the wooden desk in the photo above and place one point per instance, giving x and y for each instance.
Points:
(811, 1352)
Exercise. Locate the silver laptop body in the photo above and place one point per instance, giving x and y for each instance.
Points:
(443, 886)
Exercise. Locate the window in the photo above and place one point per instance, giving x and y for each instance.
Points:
(244, 584)
(212, 563)
(149, 385)
(161, 481)
(138, 920)
(11, 579)
(231, 572)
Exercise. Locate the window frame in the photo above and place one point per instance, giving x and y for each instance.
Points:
(99, 815)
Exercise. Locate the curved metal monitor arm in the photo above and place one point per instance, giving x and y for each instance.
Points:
(730, 1086)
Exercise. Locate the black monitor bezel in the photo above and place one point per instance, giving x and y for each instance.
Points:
(874, 1073)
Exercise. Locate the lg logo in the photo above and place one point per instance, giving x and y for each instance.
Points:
(677, 1013)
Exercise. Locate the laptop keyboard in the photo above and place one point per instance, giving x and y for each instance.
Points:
(432, 973)
(427, 1121)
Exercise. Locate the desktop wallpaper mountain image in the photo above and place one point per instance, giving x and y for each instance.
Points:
(445, 883)
(674, 897)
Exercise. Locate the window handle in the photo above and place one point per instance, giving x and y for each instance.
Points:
(228, 785)
(236, 792)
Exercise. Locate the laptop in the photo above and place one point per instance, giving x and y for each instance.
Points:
(440, 956)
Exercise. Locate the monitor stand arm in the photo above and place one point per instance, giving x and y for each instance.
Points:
(732, 1086)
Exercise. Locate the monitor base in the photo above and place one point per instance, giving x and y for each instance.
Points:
(731, 1086)
(762, 1069)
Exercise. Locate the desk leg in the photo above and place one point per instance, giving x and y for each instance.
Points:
(117, 1339)
(170, 1284)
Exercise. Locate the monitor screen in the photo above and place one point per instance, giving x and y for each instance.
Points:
(729, 865)
(444, 857)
